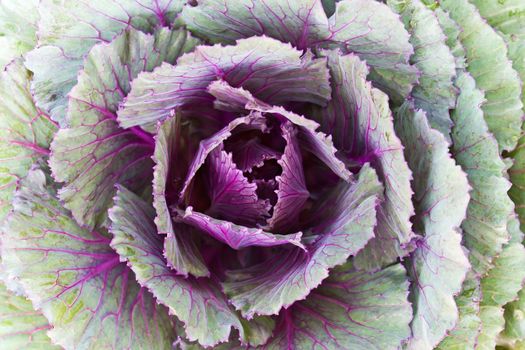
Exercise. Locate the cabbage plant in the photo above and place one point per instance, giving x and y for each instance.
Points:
(262, 174)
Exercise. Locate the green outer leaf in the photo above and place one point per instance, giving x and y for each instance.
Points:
(355, 102)
(492, 324)
(21, 327)
(435, 92)
(25, 132)
(49, 88)
(507, 15)
(198, 303)
(75, 278)
(94, 153)
(18, 21)
(299, 22)
(375, 33)
(346, 224)
(350, 310)
(509, 18)
(515, 318)
(500, 287)
(487, 58)
(506, 271)
(476, 151)
(275, 72)
(67, 30)
(486, 225)
(439, 264)
(365, 27)
(465, 334)
(452, 31)
(516, 45)
(180, 251)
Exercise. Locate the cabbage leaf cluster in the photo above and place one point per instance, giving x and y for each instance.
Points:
(262, 174)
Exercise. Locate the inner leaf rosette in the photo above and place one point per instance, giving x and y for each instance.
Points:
(252, 202)
(250, 197)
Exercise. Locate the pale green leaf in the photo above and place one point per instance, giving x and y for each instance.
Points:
(21, 327)
(452, 31)
(439, 263)
(515, 318)
(299, 22)
(67, 31)
(94, 153)
(476, 151)
(351, 310)
(376, 34)
(489, 64)
(18, 25)
(465, 333)
(501, 286)
(73, 276)
(434, 93)
(25, 132)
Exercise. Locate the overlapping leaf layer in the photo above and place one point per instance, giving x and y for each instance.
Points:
(262, 174)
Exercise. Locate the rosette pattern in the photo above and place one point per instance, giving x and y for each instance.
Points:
(262, 174)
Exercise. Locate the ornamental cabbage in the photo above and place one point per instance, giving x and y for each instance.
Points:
(262, 174)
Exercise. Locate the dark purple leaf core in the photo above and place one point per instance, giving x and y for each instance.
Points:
(250, 166)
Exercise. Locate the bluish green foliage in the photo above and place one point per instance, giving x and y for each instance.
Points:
(262, 174)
